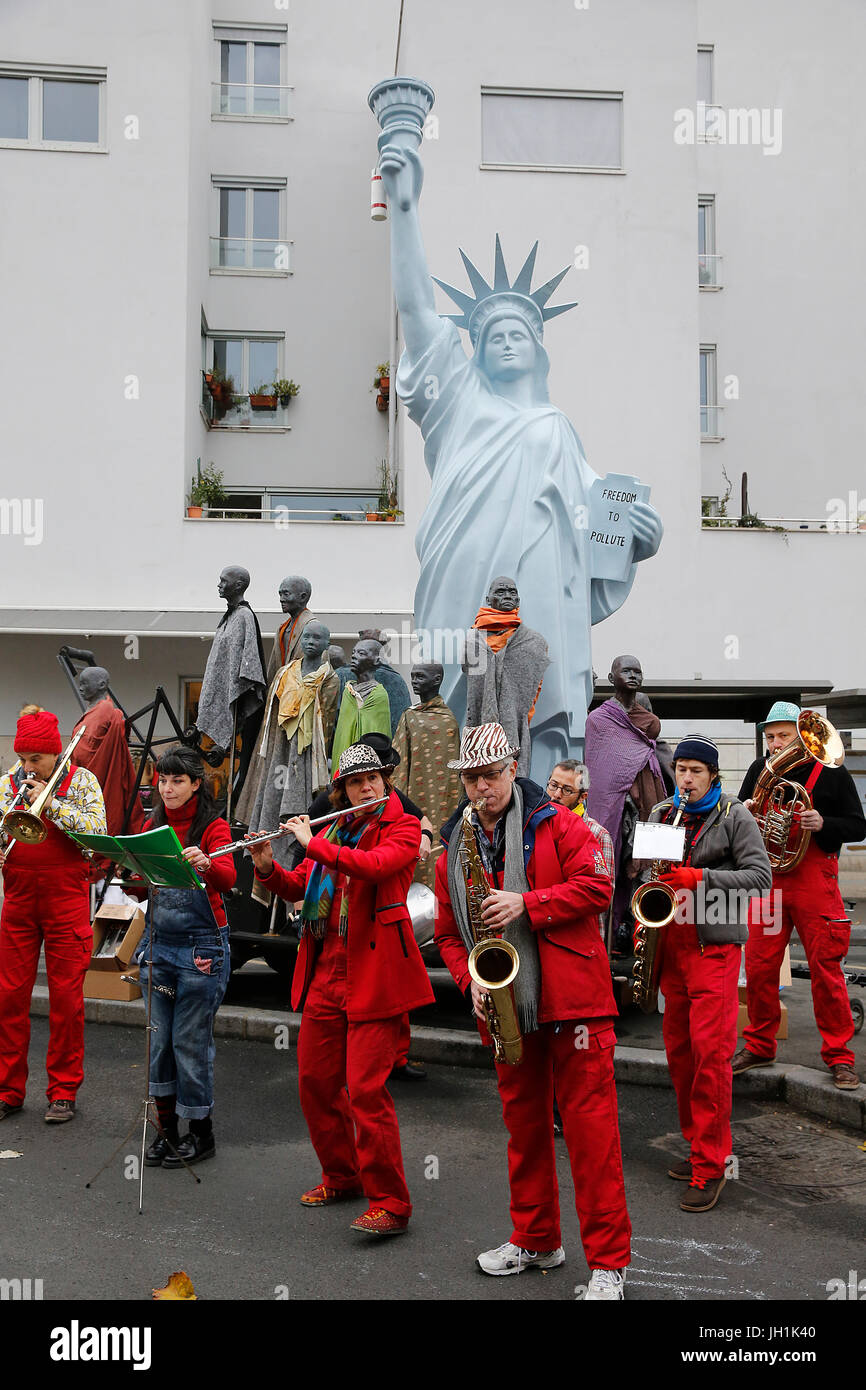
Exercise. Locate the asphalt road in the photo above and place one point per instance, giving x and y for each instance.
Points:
(793, 1220)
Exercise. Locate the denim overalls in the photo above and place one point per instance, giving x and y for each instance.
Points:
(191, 960)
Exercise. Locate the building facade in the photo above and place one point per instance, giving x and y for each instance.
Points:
(188, 200)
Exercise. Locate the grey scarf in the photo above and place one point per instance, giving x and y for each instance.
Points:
(527, 986)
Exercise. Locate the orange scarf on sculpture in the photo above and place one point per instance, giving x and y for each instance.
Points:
(497, 626)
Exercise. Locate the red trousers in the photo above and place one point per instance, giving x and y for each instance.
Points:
(403, 1042)
(342, 1071)
(68, 946)
(812, 904)
(700, 1033)
(578, 1061)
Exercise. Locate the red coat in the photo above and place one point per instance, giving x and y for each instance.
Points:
(385, 974)
(569, 886)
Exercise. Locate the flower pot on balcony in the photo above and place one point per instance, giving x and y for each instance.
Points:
(373, 516)
(193, 511)
(384, 384)
(381, 402)
(263, 402)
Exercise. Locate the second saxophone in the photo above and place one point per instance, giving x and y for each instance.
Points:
(493, 962)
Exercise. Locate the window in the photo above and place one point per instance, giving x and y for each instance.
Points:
(710, 410)
(705, 74)
(251, 64)
(708, 262)
(551, 130)
(252, 364)
(52, 108)
(250, 218)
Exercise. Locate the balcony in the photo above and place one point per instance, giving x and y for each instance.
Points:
(709, 272)
(258, 255)
(281, 509)
(254, 101)
(711, 422)
(240, 413)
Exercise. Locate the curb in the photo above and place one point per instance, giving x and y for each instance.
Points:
(803, 1088)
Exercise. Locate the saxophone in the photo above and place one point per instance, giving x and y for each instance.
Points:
(654, 906)
(493, 962)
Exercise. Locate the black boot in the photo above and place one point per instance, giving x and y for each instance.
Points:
(156, 1152)
(193, 1148)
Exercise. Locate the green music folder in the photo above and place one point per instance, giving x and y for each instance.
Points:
(157, 855)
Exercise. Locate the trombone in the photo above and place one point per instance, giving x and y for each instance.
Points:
(28, 825)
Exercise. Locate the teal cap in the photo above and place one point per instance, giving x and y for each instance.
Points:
(783, 712)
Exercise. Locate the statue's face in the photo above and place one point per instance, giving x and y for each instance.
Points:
(314, 639)
(426, 679)
(503, 595)
(626, 673)
(364, 656)
(509, 350)
(92, 681)
(233, 583)
(294, 593)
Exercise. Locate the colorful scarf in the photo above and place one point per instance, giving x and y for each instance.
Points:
(322, 883)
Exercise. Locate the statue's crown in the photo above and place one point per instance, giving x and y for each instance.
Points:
(501, 295)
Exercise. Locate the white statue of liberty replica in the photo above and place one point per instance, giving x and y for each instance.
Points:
(511, 488)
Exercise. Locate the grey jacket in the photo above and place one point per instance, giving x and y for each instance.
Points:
(735, 867)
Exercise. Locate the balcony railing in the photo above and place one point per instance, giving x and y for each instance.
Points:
(709, 272)
(782, 523)
(283, 516)
(250, 253)
(240, 414)
(710, 127)
(257, 100)
(711, 421)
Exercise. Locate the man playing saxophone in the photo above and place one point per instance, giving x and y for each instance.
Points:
(810, 901)
(723, 865)
(546, 884)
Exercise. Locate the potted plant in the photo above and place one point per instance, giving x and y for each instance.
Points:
(207, 491)
(392, 513)
(382, 381)
(222, 388)
(285, 390)
(261, 399)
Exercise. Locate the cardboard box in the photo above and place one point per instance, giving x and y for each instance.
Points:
(103, 978)
(743, 1017)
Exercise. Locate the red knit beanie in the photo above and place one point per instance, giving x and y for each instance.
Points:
(38, 733)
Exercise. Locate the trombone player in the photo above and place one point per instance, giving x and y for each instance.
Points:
(46, 900)
(811, 902)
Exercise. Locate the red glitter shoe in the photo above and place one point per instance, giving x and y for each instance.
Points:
(378, 1222)
(322, 1196)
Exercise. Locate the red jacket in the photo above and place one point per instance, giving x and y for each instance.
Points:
(569, 886)
(385, 974)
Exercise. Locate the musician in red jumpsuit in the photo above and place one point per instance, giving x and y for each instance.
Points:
(724, 868)
(548, 882)
(46, 901)
(359, 971)
(806, 898)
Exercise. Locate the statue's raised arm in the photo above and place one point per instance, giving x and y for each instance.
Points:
(401, 108)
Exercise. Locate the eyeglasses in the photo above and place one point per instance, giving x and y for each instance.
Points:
(470, 779)
(566, 791)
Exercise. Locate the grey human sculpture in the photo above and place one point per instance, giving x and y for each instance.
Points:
(510, 482)
(234, 682)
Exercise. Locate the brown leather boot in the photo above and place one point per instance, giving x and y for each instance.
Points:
(703, 1196)
(845, 1077)
(744, 1060)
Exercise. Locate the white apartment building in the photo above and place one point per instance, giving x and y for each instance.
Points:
(187, 188)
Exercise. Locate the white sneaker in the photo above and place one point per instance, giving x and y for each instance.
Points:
(511, 1259)
(605, 1284)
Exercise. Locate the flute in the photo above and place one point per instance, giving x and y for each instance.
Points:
(278, 834)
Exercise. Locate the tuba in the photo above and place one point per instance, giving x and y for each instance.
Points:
(654, 906)
(28, 825)
(493, 962)
(777, 804)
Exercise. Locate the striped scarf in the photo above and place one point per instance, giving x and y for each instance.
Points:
(322, 882)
